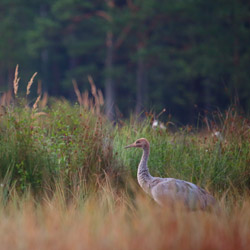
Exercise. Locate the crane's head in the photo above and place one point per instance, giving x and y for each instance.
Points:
(140, 143)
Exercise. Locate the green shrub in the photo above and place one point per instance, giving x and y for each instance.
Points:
(65, 143)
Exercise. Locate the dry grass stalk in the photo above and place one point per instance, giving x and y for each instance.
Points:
(30, 83)
(16, 80)
(94, 105)
(85, 98)
(92, 84)
(77, 91)
(109, 221)
(44, 100)
(100, 95)
(94, 93)
(36, 102)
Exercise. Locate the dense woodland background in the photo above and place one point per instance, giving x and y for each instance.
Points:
(187, 56)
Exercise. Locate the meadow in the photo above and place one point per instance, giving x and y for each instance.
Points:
(68, 183)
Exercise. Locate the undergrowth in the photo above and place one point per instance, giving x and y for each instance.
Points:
(43, 144)
(217, 158)
(66, 181)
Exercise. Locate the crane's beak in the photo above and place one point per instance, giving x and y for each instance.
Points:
(131, 145)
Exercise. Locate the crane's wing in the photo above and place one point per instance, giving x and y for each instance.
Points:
(169, 191)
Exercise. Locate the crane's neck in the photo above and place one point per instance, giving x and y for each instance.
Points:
(143, 175)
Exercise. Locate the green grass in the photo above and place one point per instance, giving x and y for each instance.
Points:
(194, 156)
(67, 143)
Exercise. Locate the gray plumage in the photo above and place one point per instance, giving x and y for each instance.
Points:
(170, 191)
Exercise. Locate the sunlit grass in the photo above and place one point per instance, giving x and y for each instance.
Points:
(108, 220)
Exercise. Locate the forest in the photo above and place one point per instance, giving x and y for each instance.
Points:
(188, 57)
(124, 124)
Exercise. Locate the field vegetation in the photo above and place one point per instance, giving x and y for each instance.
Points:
(68, 183)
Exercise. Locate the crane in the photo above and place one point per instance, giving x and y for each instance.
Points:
(169, 191)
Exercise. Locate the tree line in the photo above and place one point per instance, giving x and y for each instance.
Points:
(186, 56)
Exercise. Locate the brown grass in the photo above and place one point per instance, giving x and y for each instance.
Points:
(107, 220)
(44, 101)
(30, 83)
(16, 80)
(94, 102)
(36, 102)
(7, 97)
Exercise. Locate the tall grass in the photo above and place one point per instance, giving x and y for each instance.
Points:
(62, 142)
(66, 181)
(71, 143)
(43, 145)
(193, 155)
(107, 220)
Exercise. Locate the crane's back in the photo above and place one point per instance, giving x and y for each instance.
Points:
(169, 192)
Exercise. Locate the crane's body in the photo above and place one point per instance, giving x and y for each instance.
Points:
(170, 191)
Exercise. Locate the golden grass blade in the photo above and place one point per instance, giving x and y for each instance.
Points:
(36, 102)
(16, 80)
(44, 100)
(93, 87)
(30, 83)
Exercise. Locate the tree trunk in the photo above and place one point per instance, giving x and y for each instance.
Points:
(56, 79)
(109, 83)
(45, 68)
(44, 54)
(141, 85)
(207, 95)
(2, 80)
(11, 73)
